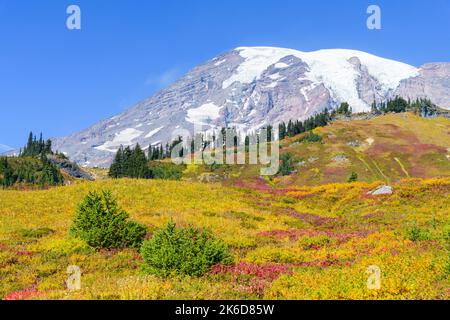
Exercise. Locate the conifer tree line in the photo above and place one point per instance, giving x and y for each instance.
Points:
(36, 147)
(130, 163)
(32, 167)
(422, 107)
(201, 141)
(158, 152)
(293, 128)
(134, 163)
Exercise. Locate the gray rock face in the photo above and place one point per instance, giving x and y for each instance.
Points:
(70, 168)
(250, 87)
(433, 82)
(368, 87)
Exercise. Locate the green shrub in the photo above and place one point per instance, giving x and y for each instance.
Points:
(416, 234)
(447, 266)
(311, 137)
(353, 177)
(166, 171)
(36, 233)
(103, 224)
(446, 234)
(182, 251)
(286, 166)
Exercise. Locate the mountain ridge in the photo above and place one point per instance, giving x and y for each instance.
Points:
(249, 87)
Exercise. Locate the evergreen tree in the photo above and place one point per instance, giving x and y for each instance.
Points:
(131, 163)
(282, 131)
(353, 177)
(344, 109)
(138, 163)
(116, 169)
(7, 180)
(34, 148)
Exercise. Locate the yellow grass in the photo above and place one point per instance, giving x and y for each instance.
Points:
(326, 237)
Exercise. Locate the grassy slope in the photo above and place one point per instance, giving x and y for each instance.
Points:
(387, 148)
(292, 243)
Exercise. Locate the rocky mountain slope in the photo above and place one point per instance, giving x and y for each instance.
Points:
(252, 86)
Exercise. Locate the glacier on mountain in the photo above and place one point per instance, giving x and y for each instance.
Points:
(250, 87)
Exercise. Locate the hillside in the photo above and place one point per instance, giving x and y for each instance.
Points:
(300, 243)
(385, 148)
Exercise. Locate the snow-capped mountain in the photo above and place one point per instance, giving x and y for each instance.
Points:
(252, 86)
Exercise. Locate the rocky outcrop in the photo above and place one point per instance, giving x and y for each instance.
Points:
(70, 168)
(433, 82)
(382, 190)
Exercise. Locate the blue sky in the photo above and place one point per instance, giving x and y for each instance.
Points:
(59, 81)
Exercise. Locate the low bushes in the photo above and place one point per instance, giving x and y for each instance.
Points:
(184, 251)
(416, 234)
(165, 171)
(103, 224)
(36, 233)
(311, 138)
(286, 166)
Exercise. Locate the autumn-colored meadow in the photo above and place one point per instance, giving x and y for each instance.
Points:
(287, 243)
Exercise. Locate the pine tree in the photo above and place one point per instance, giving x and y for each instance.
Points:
(116, 169)
(138, 163)
(282, 130)
(353, 177)
(131, 163)
(8, 179)
(150, 154)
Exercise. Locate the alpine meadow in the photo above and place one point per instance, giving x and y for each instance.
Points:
(259, 173)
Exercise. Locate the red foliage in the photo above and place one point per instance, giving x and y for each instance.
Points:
(268, 272)
(262, 186)
(374, 215)
(313, 219)
(149, 236)
(346, 236)
(23, 294)
(292, 234)
(260, 275)
(24, 253)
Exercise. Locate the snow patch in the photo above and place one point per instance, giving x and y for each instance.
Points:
(305, 90)
(153, 132)
(218, 63)
(332, 67)
(252, 113)
(204, 114)
(281, 65)
(124, 137)
(275, 76)
(271, 85)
